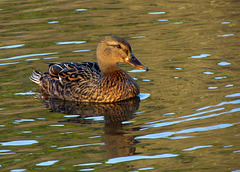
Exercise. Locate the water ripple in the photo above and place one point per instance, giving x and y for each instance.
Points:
(163, 20)
(19, 143)
(144, 96)
(146, 168)
(162, 12)
(184, 131)
(76, 146)
(96, 118)
(224, 63)
(162, 124)
(87, 169)
(53, 22)
(88, 164)
(222, 103)
(26, 93)
(138, 37)
(70, 42)
(19, 170)
(47, 163)
(197, 147)
(136, 70)
(81, 9)
(200, 56)
(79, 51)
(28, 55)
(3, 64)
(233, 95)
(226, 35)
(208, 128)
(139, 157)
(32, 59)
(201, 113)
(18, 121)
(12, 46)
(225, 22)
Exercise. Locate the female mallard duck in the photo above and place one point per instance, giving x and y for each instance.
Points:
(93, 82)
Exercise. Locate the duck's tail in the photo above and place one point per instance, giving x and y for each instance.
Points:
(35, 77)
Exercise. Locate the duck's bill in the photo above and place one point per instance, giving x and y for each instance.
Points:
(136, 63)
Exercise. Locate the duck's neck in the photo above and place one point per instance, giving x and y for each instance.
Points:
(108, 68)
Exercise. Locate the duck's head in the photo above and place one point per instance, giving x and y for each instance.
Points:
(113, 50)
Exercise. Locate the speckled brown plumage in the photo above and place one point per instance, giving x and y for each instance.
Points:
(93, 82)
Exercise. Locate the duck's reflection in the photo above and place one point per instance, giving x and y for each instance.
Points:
(116, 143)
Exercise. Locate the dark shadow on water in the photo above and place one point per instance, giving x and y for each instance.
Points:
(116, 144)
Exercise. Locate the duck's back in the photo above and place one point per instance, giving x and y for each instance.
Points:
(84, 82)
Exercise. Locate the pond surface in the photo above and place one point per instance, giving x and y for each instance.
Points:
(188, 114)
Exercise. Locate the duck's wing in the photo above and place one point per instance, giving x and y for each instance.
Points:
(74, 72)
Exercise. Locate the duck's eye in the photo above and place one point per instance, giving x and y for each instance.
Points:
(118, 46)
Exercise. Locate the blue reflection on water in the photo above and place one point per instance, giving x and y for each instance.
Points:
(70, 116)
(7, 153)
(3, 64)
(222, 103)
(234, 95)
(18, 170)
(4, 150)
(162, 12)
(19, 143)
(139, 157)
(224, 63)
(53, 22)
(47, 163)
(96, 118)
(176, 23)
(144, 96)
(184, 131)
(226, 35)
(236, 170)
(198, 129)
(208, 73)
(18, 121)
(212, 88)
(88, 164)
(47, 58)
(229, 85)
(237, 151)
(137, 37)
(136, 70)
(225, 22)
(57, 125)
(32, 59)
(163, 20)
(179, 137)
(146, 168)
(200, 56)
(28, 55)
(87, 169)
(197, 147)
(70, 42)
(26, 93)
(220, 77)
(80, 51)
(76, 146)
(12, 46)
(81, 9)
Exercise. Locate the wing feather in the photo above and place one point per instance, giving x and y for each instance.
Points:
(75, 72)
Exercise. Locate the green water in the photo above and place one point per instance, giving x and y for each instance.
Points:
(188, 115)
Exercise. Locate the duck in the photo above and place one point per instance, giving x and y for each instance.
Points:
(102, 81)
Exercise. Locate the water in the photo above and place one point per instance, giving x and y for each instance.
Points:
(188, 115)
